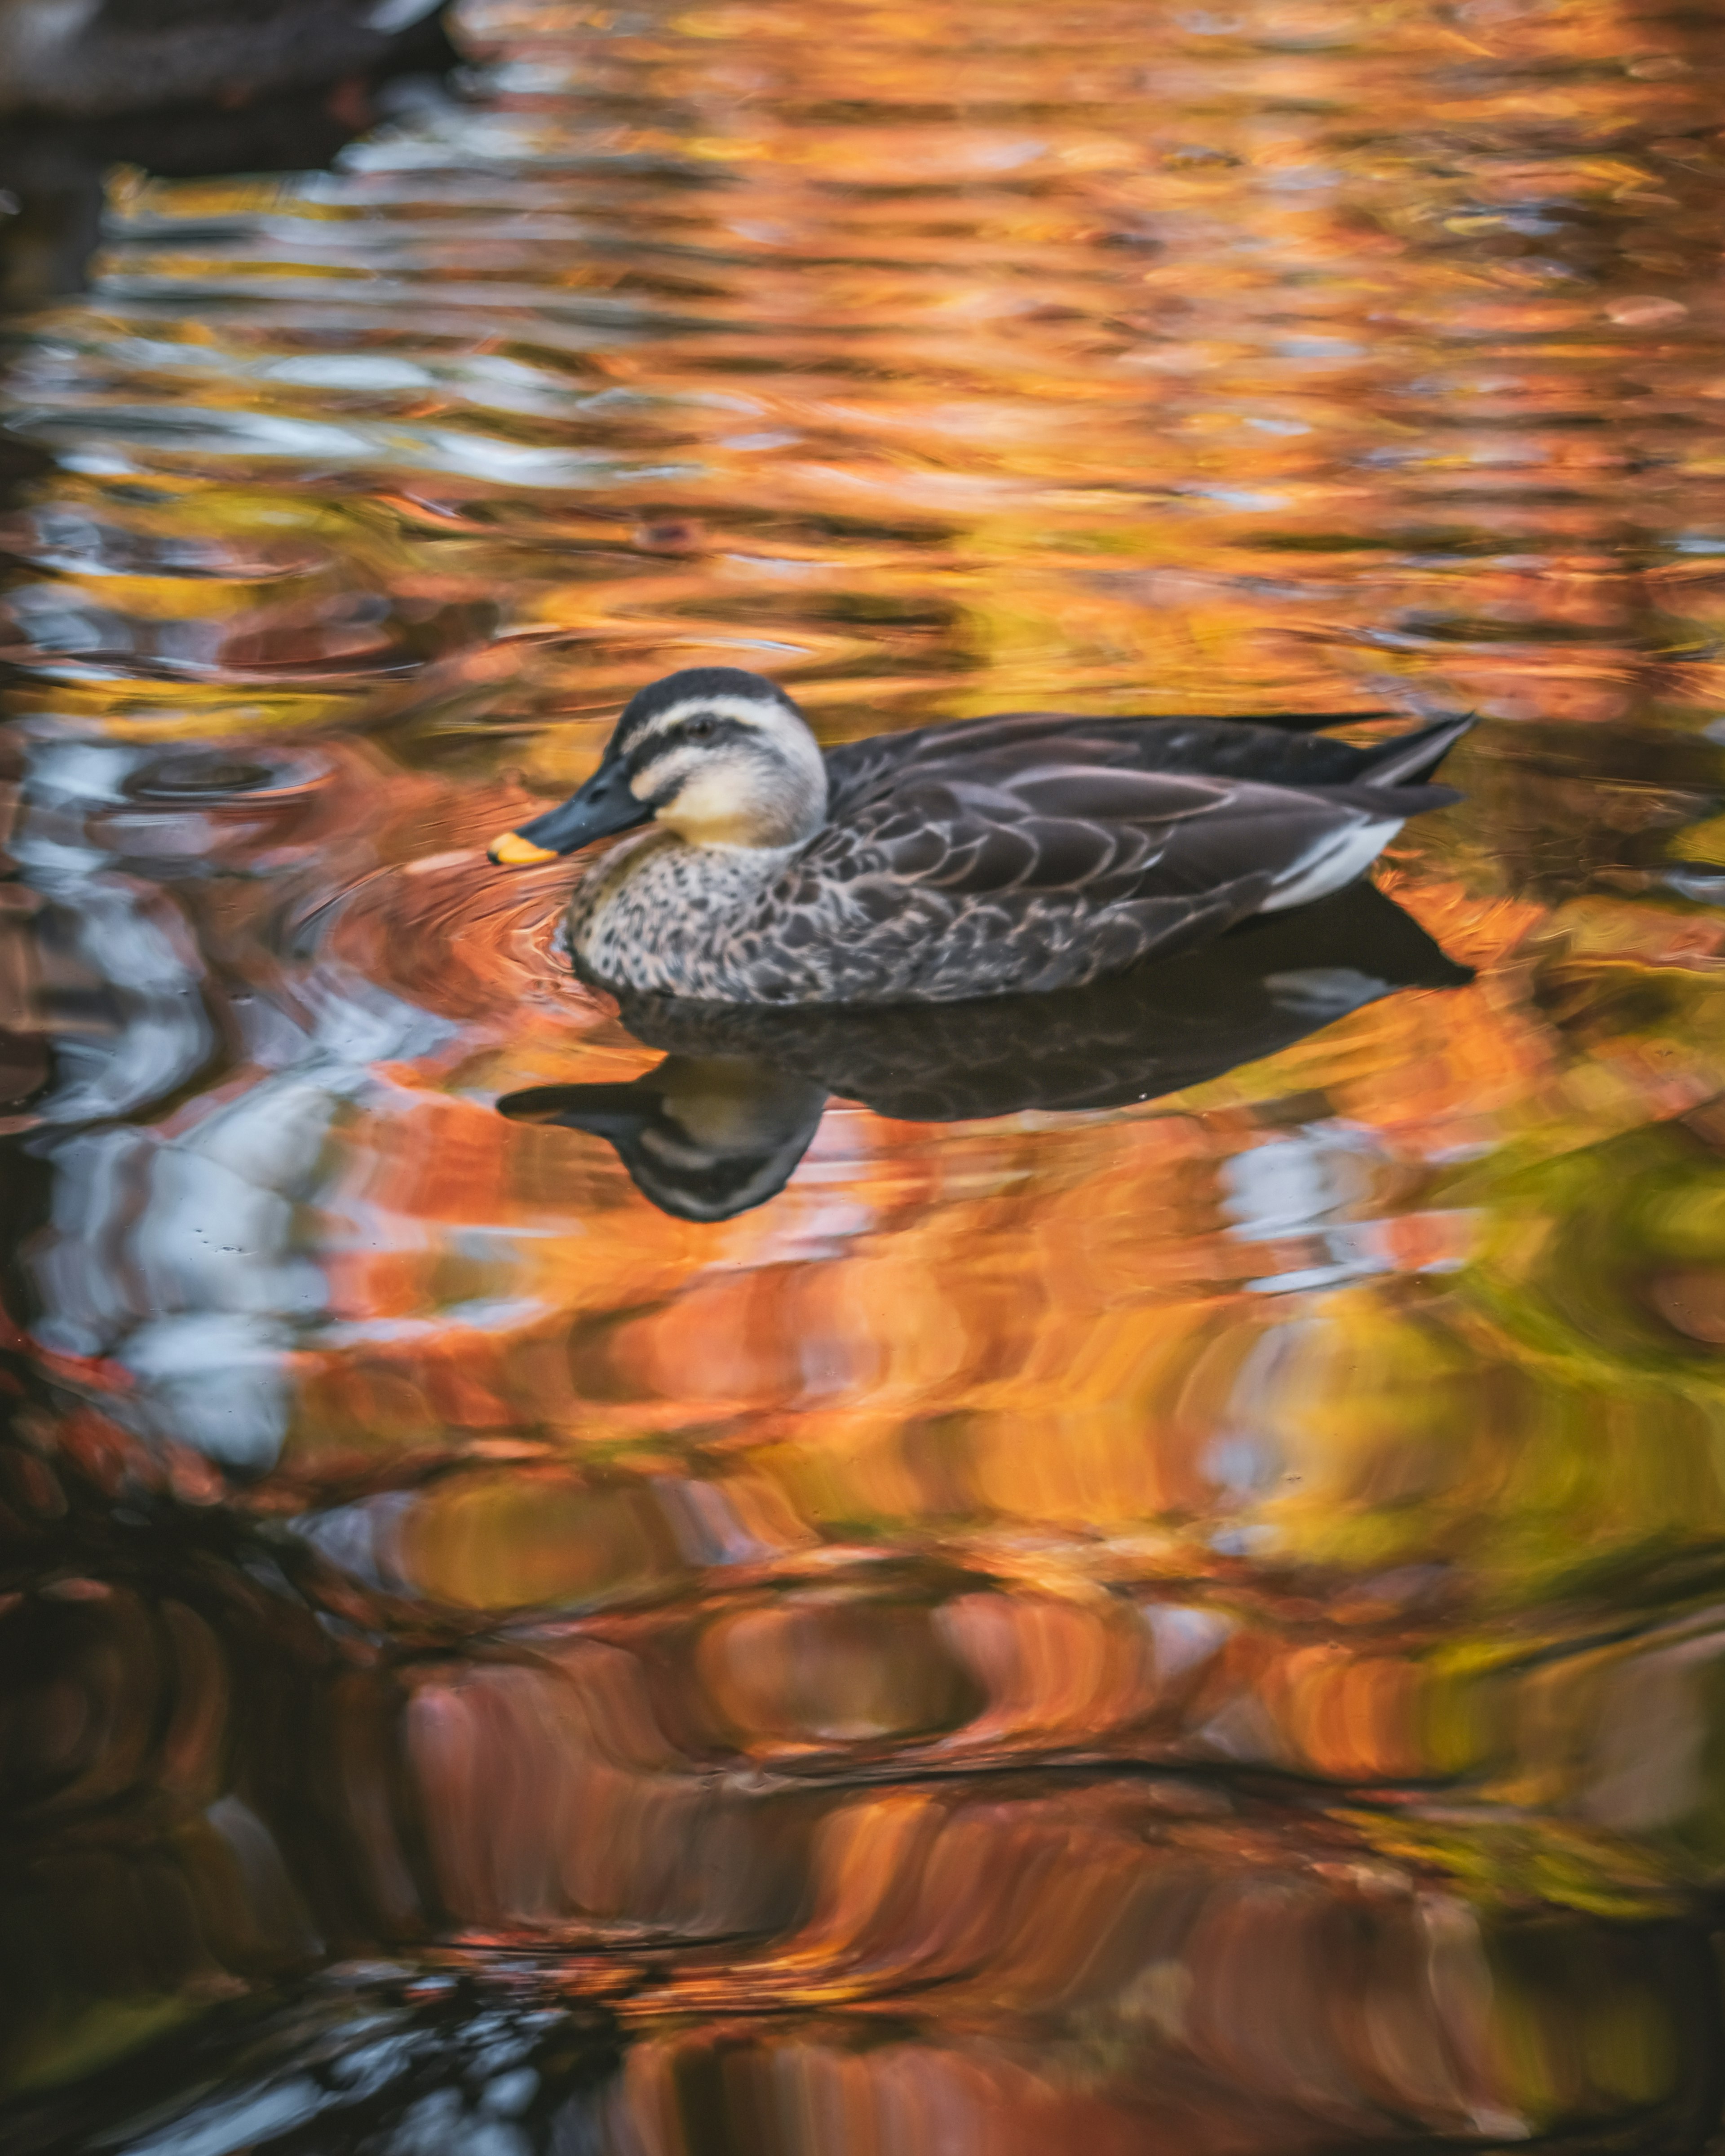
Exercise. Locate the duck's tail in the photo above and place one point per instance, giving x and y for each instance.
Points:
(1415, 755)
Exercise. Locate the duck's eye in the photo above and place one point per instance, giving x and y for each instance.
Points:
(698, 729)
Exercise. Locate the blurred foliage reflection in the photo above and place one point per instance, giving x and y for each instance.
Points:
(1151, 1582)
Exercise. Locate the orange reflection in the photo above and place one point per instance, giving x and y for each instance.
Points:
(1186, 1624)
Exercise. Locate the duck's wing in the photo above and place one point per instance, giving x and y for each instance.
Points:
(1286, 752)
(1037, 825)
(1032, 870)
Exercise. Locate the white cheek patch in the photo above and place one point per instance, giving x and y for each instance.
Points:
(719, 789)
(658, 775)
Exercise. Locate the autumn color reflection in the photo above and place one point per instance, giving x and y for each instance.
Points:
(1157, 1586)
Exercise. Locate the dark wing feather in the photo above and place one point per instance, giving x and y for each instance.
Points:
(859, 771)
(1101, 834)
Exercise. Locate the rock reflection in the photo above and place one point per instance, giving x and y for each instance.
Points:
(720, 1125)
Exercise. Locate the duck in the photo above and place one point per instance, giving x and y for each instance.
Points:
(1021, 854)
(719, 1125)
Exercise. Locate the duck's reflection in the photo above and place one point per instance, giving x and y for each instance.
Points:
(720, 1125)
(704, 1136)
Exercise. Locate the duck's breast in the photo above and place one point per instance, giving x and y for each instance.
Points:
(659, 914)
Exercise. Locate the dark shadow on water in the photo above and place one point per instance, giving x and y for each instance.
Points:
(720, 1125)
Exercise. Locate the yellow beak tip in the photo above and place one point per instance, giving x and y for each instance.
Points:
(513, 851)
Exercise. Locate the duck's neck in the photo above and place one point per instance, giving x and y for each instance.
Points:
(653, 901)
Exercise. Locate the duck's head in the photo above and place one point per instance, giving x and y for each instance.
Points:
(722, 758)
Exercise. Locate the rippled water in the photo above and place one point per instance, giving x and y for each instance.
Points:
(1186, 1626)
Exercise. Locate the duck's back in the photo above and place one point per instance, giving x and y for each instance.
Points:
(859, 771)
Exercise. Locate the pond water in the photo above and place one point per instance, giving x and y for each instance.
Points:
(1060, 1596)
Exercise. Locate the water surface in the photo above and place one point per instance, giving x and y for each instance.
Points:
(1182, 1625)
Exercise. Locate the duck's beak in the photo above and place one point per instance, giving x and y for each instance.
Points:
(602, 806)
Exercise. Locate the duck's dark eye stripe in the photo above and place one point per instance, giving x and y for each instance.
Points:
(704, 730)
